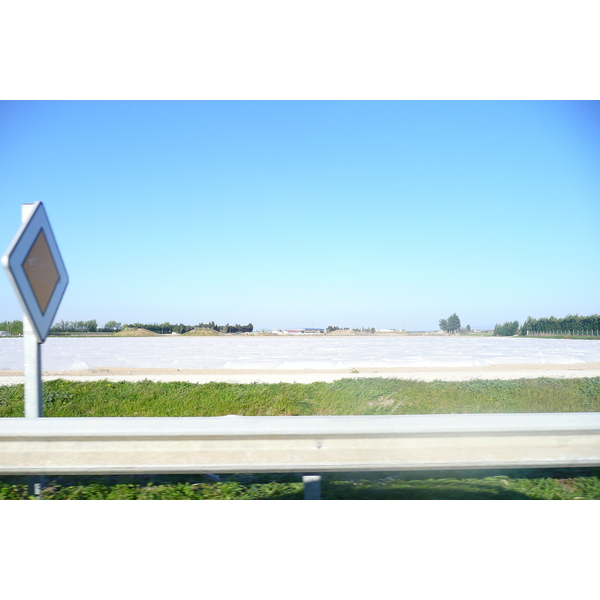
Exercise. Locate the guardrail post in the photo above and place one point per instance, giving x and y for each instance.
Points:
(312, 487)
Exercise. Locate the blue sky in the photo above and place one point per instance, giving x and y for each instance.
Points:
(385, 214)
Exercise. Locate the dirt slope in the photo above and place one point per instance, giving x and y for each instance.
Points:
(202, 332)
(134, 333)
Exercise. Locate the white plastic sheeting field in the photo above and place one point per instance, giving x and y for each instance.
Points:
(293, 353)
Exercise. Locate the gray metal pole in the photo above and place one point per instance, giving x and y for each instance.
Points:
(33, 371)
(34, 407)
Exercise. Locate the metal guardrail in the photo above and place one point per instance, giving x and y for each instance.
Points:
(313, 444)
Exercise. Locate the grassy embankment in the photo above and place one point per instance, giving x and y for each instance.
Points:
(345, 397)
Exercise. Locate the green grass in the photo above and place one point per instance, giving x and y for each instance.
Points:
(368, 396)
(524, 484)
(345, 397)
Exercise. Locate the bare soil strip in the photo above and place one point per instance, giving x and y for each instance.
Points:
(309, 375)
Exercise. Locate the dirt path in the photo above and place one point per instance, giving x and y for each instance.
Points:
(310, 375)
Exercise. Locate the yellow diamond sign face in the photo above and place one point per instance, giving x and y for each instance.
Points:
(36, 270)
(41, 271)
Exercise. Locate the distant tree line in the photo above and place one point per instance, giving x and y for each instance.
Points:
(74, 326)
(91, 326)
(568, 323)
(565, 325)
(13, 327)
(111, 326)
(181, 328)
(508, 328)
(237, 328)
(160, 327)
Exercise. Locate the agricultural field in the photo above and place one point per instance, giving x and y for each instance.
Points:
(276, 354)
(343, 397)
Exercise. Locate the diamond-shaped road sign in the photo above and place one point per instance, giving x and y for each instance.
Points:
(36, 270)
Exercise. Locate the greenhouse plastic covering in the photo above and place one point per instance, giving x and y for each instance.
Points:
(298, 353)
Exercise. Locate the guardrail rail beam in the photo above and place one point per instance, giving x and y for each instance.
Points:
(312, 444)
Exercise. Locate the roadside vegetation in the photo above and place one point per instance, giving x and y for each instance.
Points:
(530, 484)
(368, 396)
(345, 397)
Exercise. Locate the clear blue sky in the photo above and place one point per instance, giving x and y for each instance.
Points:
(385, 214)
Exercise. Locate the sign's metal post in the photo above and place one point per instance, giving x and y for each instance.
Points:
(34, 405)
(33, 371)
(37, 272)
(33, 392)
(32, 353)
